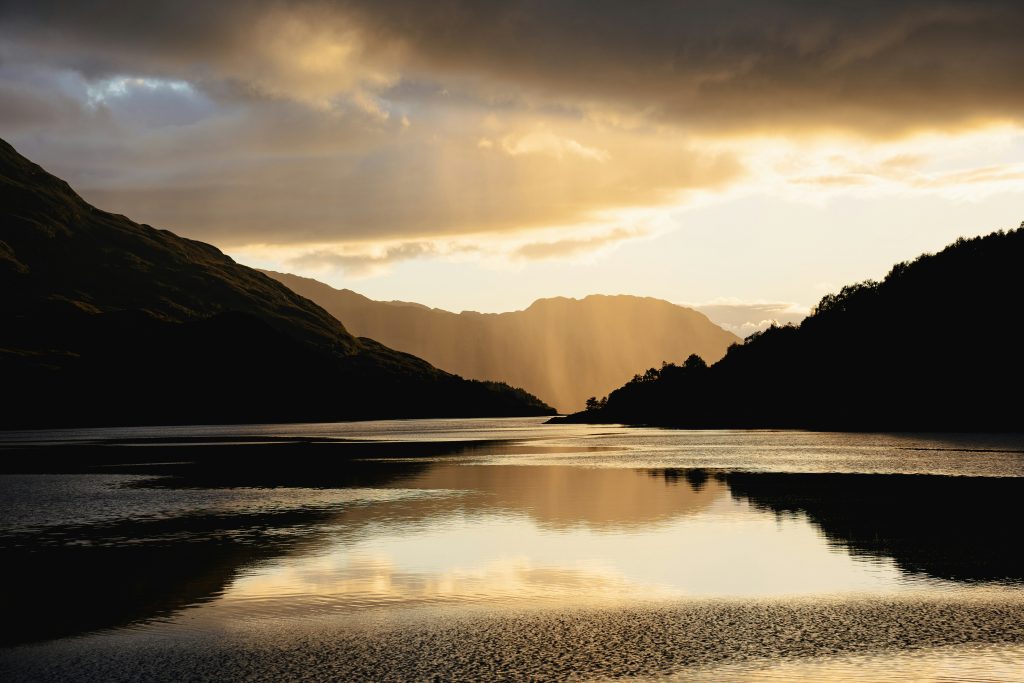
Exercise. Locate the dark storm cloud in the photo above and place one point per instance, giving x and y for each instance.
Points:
(862, 65)
(871, 66)
(305, 121)
(100, 38)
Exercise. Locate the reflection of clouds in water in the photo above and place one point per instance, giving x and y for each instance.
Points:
(485, 557)
(339, 580)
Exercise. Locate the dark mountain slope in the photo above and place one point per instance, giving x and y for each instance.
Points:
(564, 350)
(921, 350)
(106, 321)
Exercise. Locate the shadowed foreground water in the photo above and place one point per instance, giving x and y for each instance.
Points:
(509, 550)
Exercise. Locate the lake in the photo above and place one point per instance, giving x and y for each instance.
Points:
(509, 550)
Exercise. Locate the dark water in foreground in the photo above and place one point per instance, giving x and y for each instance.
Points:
(509, 550)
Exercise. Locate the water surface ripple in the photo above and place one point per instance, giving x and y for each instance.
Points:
(509, 550)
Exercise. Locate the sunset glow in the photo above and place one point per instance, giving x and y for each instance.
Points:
(511, 340)
(479, 160)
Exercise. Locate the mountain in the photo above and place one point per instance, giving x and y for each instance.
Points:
(106, 321)
(923, 349)
(563, 350)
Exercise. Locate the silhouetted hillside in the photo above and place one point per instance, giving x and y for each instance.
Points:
(920, 350)
(939, 526)
(105, 321)
(563, 350)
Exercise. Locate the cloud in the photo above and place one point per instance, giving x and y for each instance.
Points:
(546, 142)
(281, 172)
(992, 178)
(300, 123)
(367, 260)
(358, 265)
(307, 51)
(873, 65)
(743, 319)
(999, 174)
(969, 166)
(574, 246)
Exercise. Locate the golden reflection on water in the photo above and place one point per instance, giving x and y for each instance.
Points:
(559, 497)
(536, 535)
(608, 554)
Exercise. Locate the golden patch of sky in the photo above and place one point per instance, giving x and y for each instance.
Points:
(804, 217)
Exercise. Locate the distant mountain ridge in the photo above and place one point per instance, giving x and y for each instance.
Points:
(106, 321)
(876, 356)
(563, 350)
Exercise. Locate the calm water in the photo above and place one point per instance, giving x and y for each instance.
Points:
(508, 549)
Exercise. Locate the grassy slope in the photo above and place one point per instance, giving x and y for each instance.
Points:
(99, 307)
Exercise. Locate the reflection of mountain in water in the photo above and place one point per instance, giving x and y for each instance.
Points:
(82, 577)
(565, 496)
(958, 528)
(137, 570)
(78, 578)
(98, 577)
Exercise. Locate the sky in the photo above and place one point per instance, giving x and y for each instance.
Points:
(745, 157)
